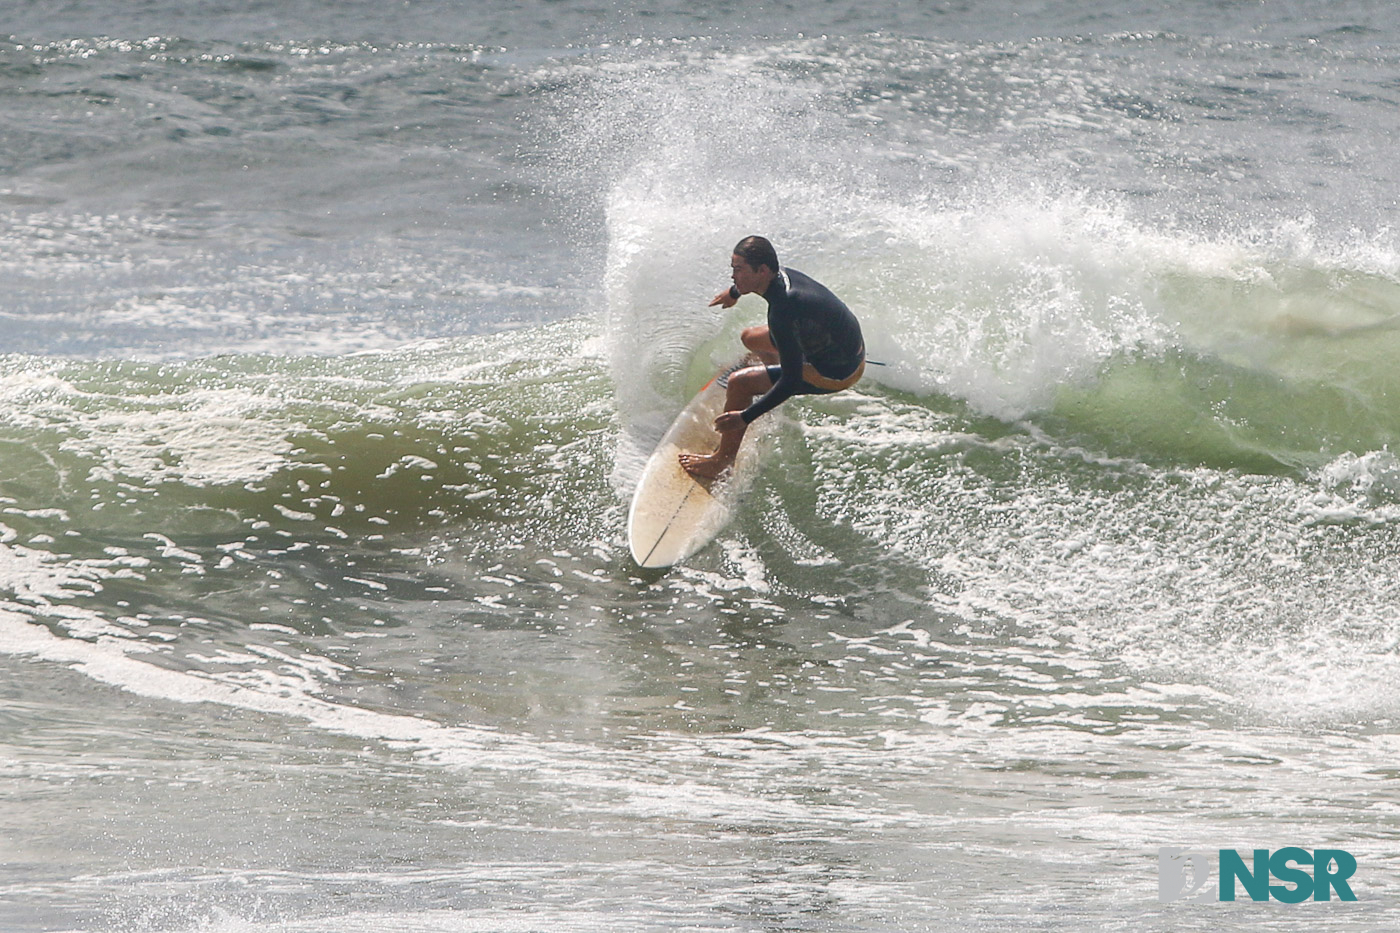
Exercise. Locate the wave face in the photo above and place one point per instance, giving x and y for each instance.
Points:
(313, 579)
(183, 486)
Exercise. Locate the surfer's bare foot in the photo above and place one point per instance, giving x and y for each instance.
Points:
(704, 466)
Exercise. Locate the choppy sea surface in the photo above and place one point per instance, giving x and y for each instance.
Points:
(333, 337)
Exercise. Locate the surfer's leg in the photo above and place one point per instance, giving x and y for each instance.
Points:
(760, 342)
(743, 386)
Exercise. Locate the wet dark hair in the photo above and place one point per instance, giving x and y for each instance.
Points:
(757, 251)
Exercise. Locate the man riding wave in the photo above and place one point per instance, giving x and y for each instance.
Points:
(812, 345)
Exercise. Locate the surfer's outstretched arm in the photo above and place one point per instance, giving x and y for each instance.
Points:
(725, 299)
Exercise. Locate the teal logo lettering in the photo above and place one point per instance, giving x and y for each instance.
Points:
(1290, 875)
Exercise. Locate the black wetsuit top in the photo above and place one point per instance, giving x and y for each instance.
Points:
(808, 324)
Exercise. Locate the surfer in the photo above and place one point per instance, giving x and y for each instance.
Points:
(812, 345)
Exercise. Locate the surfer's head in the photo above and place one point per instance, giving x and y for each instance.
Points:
(755, 262)
(757, 251)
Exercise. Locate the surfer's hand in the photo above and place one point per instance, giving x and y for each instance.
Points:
(725, 299)
(729, 421)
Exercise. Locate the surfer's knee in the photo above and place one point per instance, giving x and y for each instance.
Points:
(747, 383)
(758, 339)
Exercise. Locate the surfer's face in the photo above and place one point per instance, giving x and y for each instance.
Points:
(748, 279)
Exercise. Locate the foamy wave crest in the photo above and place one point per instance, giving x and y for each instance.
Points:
(998, 283)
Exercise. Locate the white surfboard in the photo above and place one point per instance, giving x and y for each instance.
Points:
(673, 514)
